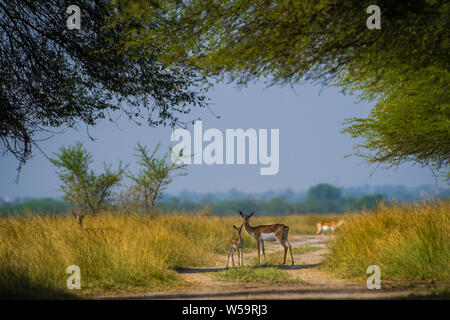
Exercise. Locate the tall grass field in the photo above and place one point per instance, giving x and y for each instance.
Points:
(130, 253)
(115, 252)
(408, 242)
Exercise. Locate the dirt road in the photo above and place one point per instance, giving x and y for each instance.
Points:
(314, 284)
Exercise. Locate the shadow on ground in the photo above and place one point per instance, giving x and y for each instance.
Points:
(17, 286)
(294, 293)
(283, 267)
(198, 270)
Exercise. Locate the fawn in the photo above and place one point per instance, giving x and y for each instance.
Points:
(237, 244)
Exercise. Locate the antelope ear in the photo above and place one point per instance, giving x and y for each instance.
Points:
(240, 212)
(251, 214)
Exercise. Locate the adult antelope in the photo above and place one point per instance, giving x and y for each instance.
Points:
(271, 232)
(328, 225)
(237, 244)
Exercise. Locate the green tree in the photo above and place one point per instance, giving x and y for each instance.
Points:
(403, 67)
(369, 202)
(154, 176)
(90, 192)
(324, 192)
(53, 77)
(410, 123)
(322, 198)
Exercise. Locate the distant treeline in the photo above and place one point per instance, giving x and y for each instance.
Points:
(391, 192)
(322, 198)
(41, 205)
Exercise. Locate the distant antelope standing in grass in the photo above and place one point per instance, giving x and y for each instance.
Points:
(237, 244)
(271, 232)
(328, 225)
(79, 216)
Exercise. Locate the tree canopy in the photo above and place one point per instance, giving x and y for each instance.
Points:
(150, 59)
(155, 174)
(52, 77)
(82, 187)
(324, 192)
(403, 67)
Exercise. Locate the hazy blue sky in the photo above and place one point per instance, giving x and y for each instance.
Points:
(311, 146)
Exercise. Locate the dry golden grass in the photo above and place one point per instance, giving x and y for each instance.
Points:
(406, 242)
(116, 252)
(129, 253)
